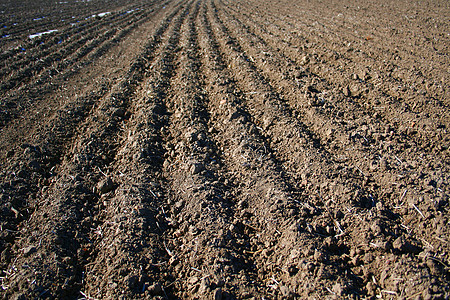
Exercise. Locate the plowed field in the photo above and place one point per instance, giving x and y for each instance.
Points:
(224, 149)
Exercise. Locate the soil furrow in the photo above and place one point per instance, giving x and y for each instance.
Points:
(42, 83)
(361, 195)
(344, 38)
(134, 218)
(61, 91)
(284, 203)
(323, 122)
(44, 148)
(73, 216)
(24, 20)
(41, 52)
(370, 102)
(372, 141)
(376, 90)
(192, 173)
(248, 159)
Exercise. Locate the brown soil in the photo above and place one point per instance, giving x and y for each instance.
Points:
(225, 149)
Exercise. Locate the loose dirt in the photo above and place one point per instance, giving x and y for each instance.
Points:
(224, 149)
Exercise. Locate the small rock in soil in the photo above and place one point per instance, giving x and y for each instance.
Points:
(155, 289)
(318, 255)
(346, 92)
(402, 245)
(370, 287)
(105, 185)
(196, 168)
(304, 61)
(337, 288)
(193, 280)
(29, 250)
(120, 112)
(355, 91)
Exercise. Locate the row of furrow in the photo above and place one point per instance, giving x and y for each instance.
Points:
(16, 101)
(49, 145)
(69, 207)
(32, 69)
(21, 24)
(20, 54)
(342, 36)
(24, 26)
(209, 170)
(43, 69)
(277, 203)
(40, 53)
(260, 102)
(260, 194)
(387, 78)
(195, 170)
(346, 34)
(273, 109)
(373, 89)
(30, 44)
(362, 195)
(393, 159)
(29, 167)
(274, 69)
(17, 59)
(135, 219)
(368, 194)
(400, 50)
(318, 118)
(321, 121)
(390, 81)
(368, 23)
(197, 204)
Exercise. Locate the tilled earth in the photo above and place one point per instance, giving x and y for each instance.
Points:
(222, 149)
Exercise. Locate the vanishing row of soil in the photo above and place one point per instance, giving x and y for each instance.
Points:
(55, 174)
(31, 76)
(21, 19)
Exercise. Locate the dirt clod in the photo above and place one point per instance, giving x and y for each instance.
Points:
(155, 289)
(196, 168)
(29, 250)
(405, 246)
(105, 185)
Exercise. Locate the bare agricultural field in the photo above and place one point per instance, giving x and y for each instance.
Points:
(224, 149)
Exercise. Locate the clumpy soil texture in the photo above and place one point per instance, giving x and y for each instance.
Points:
(224, 149)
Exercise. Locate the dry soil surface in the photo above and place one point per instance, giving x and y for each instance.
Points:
(224, 149)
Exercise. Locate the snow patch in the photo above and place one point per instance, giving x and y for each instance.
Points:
(101, 15)
(32, 36)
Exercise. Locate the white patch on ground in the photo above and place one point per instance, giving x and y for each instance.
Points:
(32, 36)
